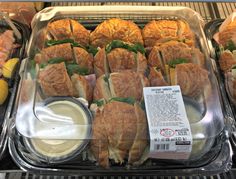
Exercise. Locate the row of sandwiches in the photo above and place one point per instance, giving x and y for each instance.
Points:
(118, 29)
(226, 38)
(110, 67)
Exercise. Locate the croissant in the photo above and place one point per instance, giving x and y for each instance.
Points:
(228, 34)
(159, 31)
(69, 29)
(83, 58)
(55, 81)
(69, 54)
(169, 51)
(120, 84)
(156, 78)
(57, 51)
(115, 29)
(129, 138)
(227, 60)
(119, 59)
(191, 78)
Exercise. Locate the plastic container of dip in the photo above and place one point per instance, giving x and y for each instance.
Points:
(59, 151)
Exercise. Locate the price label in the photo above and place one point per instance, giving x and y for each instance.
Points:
(169, 128)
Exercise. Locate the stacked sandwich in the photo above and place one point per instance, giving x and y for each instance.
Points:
(110, 66)
(227, 60)
(173, 59)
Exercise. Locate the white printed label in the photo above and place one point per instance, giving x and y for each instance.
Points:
(169, 128)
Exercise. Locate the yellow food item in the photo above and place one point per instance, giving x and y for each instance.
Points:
(3, 91)
(9, 66)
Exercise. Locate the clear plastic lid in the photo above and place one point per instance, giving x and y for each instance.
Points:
(118, 129)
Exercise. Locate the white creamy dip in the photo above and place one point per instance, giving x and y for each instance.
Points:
(61, 148)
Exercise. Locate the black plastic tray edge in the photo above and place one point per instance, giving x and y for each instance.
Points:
(226, 166)
(25, 32)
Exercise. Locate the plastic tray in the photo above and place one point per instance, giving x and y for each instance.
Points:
(7, 107)
(217, 153)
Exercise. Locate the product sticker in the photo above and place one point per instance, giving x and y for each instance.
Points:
(169, 128)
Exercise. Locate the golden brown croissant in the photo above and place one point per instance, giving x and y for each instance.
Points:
(56, 51)
(169, 51)
(165, 30)
(191, 78)
(156, 78)
(83, 58)
(55, 81)
(69, 54)
(69, 29)
(140, 140)
(99, 142)
(120, 84)
(115, 29)
(227, 60)
(129, 138)
(119, 59)
(228, 34)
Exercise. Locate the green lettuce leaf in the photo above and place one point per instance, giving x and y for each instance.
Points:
(177, 61)
(120, 44)
(129, 100)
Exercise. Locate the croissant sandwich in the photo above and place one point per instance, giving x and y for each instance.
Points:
(115, 29)
(192, 79)
(68, 53)
(118, 56)
(159, 31)
(68, 65)
(119, 132)
(227, 36)
(120, 84)
(169, 51)
(68, 29)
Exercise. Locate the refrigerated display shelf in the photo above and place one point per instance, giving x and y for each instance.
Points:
(17, 174)
(208, 11)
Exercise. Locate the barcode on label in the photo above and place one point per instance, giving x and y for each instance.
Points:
(182, 133)
(163, 146)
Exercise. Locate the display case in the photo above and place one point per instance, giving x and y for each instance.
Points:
(213, 158)
(211, 151)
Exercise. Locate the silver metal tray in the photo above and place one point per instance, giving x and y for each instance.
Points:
(217, 159)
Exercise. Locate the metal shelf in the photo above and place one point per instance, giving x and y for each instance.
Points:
(208, 10)
(17, 174)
